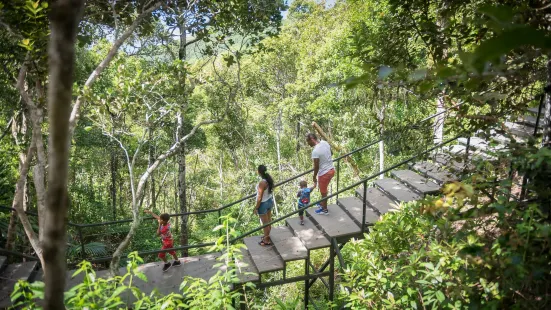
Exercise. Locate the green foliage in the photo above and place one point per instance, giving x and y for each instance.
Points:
(99, 293)
(433, 253)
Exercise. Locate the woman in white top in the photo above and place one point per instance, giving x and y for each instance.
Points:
(264, 203)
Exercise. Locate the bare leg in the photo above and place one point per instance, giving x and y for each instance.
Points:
(175, 256)
(264, 218)
(269, 220)
(165, 260)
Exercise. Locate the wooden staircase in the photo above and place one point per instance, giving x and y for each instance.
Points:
(292, 241)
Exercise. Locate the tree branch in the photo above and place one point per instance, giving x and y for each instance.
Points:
(75, 113)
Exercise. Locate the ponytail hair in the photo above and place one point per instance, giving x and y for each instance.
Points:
(262, 170)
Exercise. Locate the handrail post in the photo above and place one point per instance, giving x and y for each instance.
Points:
(219, 222)
(539, 114)
(364, 206)
(83, 254)
(306, 284)
(338, 176)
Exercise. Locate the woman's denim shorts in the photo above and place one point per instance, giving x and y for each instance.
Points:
(265, 206)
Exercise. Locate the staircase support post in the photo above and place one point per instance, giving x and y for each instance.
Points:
(332, 271)
(306, 286)
(364, 206)
(219, 222)
(338, 176)
(83, 254)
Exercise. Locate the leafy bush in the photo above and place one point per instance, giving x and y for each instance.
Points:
(433, 253)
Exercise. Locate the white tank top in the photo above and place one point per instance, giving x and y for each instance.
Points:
(266, 195)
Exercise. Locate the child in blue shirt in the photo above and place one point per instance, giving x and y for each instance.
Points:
(303, 196)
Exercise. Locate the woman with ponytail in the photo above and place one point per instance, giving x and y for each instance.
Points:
(264, 202)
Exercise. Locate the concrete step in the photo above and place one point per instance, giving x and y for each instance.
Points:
(309, 234)
(420, 184)
(336, 224)
(522, 127)
(11, 274)
(430, 170)
(354, 207)
(246, 270)
(529, 120)
(396, 190)
(454, 162)
(479, 148)
(265, 258)
(521, 134)
(534, 110)
(287, 245)
(456, 149)
(377, 200)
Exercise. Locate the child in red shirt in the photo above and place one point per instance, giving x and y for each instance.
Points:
(166, 238)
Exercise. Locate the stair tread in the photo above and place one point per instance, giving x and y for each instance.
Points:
(335, 224)
(377, 199)
(309, 234)
(454, 149)
(354, 206)
(265, 258)
(245, 267)
(397, 190)
(483, 146)
(419, 183)
(10, 276)
(524, 134)
(287, 245)
(456, 162)
(434, 172)
(529, 120)
(534, 110)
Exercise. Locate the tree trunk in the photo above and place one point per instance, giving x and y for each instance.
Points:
(182, 55)
(439, 120)
(152, 200)
(381, 115)
(13, 218)
(113, 188)
(64, 19)
(546, 119)
(17, 129)
(278, 136)
(184, 238)
(298, 136)
(18, 199)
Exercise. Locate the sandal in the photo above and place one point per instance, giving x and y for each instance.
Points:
(263, 243)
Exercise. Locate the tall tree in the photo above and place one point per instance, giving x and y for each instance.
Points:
(64, 20)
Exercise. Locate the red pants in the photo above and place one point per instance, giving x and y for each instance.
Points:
(323, 181)
(167, 245)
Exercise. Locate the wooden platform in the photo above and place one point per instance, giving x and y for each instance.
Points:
(309, 234)
(336, 224)
(265, 258)
(354, 207)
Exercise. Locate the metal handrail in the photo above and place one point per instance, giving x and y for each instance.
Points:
(254, 194)
(259, 228)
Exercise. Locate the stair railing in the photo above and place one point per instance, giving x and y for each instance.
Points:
(363, 182)
(80, 227)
